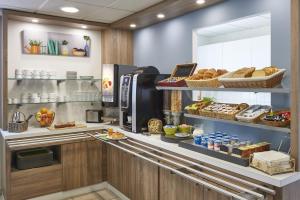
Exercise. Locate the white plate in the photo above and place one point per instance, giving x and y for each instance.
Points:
(123, 138)
(182, 135)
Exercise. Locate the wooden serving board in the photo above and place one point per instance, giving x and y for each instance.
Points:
(51, 128)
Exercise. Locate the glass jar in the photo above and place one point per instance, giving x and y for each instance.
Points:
(217, 145)
(210, 144)
(198, 139)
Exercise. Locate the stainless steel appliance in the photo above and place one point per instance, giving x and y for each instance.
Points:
(93, 116)
(139, 100)
(111, 74)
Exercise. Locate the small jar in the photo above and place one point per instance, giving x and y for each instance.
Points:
(225, 141)
(217, 145)
(234, 140)
(204, 141)
(198, 139)
(210, 144)
(242, 144)
(218, 133)
(227, 137)
(230, 148)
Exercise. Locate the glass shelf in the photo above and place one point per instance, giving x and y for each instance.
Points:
(55, 79)
(260, 126)
(62, 102)
(222, 89)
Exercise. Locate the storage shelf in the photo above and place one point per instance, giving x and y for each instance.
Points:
(63, 102)
(260, 126)
(222, 89)
(55, 79)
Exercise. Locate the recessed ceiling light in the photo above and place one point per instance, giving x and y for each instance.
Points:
(35, 20)
(84, 26)
(160, 16)
(200, 2)
(69, 9)
(132, 25)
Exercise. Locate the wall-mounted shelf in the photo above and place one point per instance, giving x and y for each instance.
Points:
(63, 102)
(260, 126)
(221, 89)
(58, 80)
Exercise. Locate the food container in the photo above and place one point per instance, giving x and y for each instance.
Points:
(170, 130)
(178, 76)
(185, 128)
(253, 82)
(217, 144)
(284, 123)
(210, 143)
(33, 158)
(252, 117)
(198, 139)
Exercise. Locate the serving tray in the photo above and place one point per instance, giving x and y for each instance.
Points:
(189, 144)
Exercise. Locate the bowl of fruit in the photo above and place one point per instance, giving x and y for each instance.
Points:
(45, 117)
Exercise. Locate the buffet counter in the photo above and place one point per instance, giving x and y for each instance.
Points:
(154, 140)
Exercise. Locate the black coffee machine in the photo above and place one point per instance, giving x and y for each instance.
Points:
(139, 100)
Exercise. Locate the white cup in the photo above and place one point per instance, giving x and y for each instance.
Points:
(19, 76)
(34, 95)
(10, 101)
(18, 72)
(25, 100)
(15, 100)
(44, 95)
(44, 100)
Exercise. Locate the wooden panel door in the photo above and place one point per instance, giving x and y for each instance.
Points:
(175, 187)
(135, 178)
(213, 195)
(146, 180)
(82, 164)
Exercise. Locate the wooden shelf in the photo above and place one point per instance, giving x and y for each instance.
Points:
(279, 90)
(252, 125)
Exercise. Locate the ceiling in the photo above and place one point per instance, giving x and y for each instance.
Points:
(106, 11)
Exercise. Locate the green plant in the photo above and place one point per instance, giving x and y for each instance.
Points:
(65, 42)
(35, 43)
(86, 38)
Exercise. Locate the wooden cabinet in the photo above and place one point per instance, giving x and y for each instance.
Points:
(135, 178)
(82, 163)
(35, 182)
(175, 187)
(209, 194)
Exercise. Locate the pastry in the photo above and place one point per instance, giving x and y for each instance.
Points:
(244, 72)
(270, 70)
(259, 73)
(205, 74)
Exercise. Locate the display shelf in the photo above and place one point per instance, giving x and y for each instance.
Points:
(62, 102)
(58, 80)
(260, 126)
(222, 89)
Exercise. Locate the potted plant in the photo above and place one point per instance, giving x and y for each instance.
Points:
(35, 47)
(64, 48)
(86, 47)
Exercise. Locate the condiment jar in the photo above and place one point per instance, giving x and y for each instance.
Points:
(210, 144)
(198, 139)
(217, 145)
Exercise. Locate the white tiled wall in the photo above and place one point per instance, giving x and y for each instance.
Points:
(84, 66)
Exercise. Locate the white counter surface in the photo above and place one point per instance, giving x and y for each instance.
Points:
(276, 180)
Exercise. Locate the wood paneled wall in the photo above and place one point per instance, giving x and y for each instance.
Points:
(117, 46)
(295, 80)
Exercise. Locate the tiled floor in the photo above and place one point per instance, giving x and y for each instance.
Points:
(104, 194)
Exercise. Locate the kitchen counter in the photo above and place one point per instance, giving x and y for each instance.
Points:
(35, 132)
(276, 180)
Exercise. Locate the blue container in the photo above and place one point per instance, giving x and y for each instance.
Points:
(198, 139)
(204, 141)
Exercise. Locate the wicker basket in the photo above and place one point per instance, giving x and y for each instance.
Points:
(223, 115)
(275, 123)
(155, 126)
(18, 127)
(214, 83)
(256, 119)
(259, 82)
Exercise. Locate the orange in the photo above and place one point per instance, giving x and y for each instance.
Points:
(44, 110)
(50, 114)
